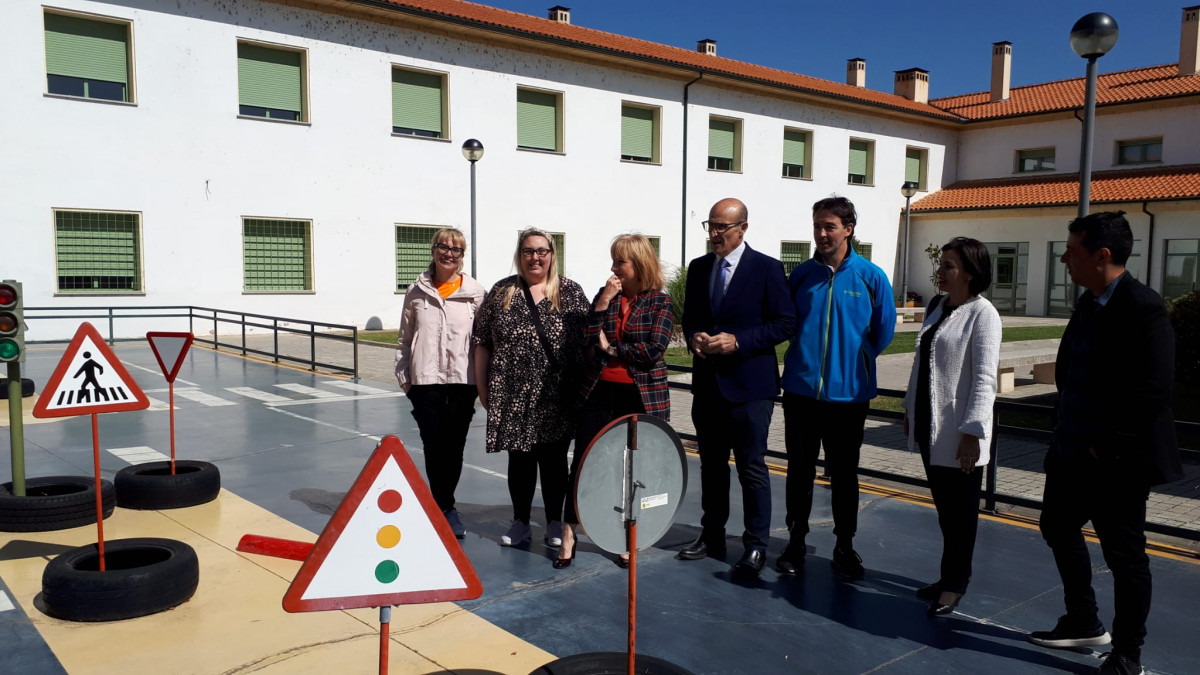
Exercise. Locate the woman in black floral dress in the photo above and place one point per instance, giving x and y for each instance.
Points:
(528, 379)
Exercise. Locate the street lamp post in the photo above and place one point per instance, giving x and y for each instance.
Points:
(473, 151)
(908, 190)
(1091, 37)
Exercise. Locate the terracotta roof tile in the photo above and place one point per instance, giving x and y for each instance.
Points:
(1126, 86)
(536, 27)
(1128, 185)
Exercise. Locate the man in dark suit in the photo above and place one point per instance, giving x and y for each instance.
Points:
(1113, 440)
(736, 310)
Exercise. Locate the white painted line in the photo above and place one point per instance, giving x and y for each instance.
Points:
(335, 399)
(203, 398)
(308, 391)
(5, 603)
(250, 392)
(138, 454)
(156, 404)
(158, 372)
(354, 386)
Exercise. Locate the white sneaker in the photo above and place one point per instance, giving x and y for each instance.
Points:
(554, 533)
(518, 534)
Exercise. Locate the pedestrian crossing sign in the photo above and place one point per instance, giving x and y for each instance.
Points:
(88, 380)
(387, 544)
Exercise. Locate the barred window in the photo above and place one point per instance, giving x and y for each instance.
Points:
(98, 252)
(412, 253)
(276, 255)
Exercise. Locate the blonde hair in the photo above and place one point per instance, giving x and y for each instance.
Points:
(457, 238)
(638, 250)
(551, 287)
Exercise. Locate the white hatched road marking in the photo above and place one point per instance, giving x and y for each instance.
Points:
(337, 398)
(156, 404)
(203, 398)
(354, 386)
(138, 454)
(159, 373)
(251, 392)
(5, 603)
(309, 391)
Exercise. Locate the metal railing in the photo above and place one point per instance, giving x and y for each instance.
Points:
(221, 319)
(990, 493)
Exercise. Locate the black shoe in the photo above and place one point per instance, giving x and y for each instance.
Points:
(750, 565)
(699, 550)
(1119, 664)
(791, 561)
(847, 563)
(1067, 633)
(562, 562)
(936, 608)
(929, 593)
(622, 561)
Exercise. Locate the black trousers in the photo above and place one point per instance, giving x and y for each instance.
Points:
(810, 424)
(523, 467)
(607, 402)
(443, 413)
(956, 496)
(1081, 489)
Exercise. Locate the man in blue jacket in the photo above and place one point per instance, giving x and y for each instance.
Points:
(846, 317)
(734, 313)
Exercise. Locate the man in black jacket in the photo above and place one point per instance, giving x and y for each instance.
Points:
(1113, 440)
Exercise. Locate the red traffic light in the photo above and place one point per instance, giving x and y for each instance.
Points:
(8, 296)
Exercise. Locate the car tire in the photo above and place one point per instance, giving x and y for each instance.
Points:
(54, 503)
(152, 486)
(27, 388)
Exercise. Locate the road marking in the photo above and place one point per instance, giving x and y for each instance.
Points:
(336, 398)
(203, 398)
(309, 391)
(138, 454)
(156, 404)
(158, 372)
(264, 396)
(354, 386)
(5, 603)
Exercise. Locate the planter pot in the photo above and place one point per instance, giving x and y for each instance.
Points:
(53, 503)
(151, 486)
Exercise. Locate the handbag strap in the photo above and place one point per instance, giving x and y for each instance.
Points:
(537, 323)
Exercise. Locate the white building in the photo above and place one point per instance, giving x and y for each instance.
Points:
(291, 160)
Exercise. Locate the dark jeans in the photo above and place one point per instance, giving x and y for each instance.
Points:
(443, 413)
(1081, 489)
(551, 459)
(809, 424)
(956, 496)
(722, 426)
(607, 402)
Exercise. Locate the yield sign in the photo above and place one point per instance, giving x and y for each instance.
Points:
(88, 380)
(169, 349)
(387, 544)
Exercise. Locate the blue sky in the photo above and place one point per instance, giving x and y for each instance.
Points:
(950, 39)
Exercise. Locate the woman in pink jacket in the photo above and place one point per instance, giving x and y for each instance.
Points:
(435, 364)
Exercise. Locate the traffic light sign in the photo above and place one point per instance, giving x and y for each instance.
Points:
(12, 323)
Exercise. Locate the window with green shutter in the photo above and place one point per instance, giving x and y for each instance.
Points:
(863, 249)
(795, 153)
(98, 252)
(638, 133)
(914, 166)
(413, 253)
(537, 120)
(1040, 159)
(276, 255)
(792, 253)
(859, 170)
(723, 144)
(417, 103)
(656, 244)
(87, 58)
(271, 83)
(560, 251)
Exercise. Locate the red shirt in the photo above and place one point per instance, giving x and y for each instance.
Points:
(616, 370)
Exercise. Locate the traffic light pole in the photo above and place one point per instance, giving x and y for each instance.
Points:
(16, 432)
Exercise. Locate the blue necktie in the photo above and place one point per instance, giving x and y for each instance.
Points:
(717, 293)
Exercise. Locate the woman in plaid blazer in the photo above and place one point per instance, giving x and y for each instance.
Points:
(627, 333)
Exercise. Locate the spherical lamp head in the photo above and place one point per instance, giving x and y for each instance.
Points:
(472, 150)
(908, 189)
(1094, 35)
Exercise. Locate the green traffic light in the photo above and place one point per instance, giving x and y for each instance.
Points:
(9, 349)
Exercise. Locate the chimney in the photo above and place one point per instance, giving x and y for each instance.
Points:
(560, 14)
(707, 46)
(1001, 70)
(1189, 42)
(913, 84)
(856, 72)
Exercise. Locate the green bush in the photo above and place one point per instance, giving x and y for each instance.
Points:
(676, 288)
(1185, 320)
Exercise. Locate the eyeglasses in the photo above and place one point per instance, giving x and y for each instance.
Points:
(719, 228)
(454, 251)
(539, 252)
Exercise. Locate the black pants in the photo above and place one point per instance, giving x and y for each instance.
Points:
(523, 467)
(443, 413)
(956, 496)
(1082, 489)
(809, 424)
(607, 402)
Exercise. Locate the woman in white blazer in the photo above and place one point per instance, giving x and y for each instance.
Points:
(435, 364)
(948, 408)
